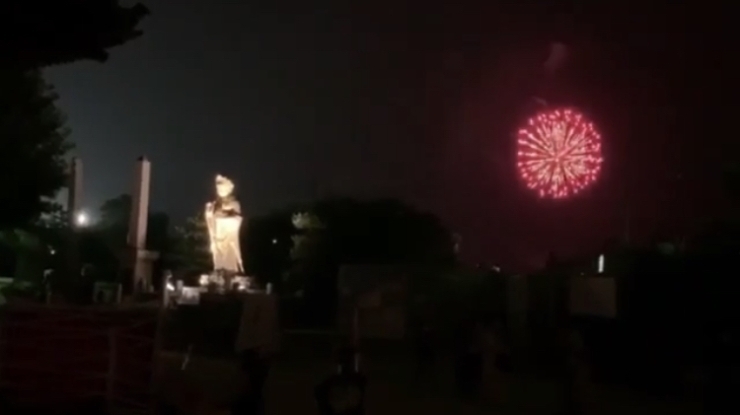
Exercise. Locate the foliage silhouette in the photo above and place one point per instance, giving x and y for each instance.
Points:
(43, 33)
(190, 249)
(33, 138)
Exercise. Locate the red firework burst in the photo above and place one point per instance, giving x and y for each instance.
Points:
(558, 153)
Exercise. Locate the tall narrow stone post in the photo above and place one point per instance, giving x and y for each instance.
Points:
(141, 259)
(74, 207)
(74, 195)
(140, 205)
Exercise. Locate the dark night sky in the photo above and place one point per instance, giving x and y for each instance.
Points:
(388, 99)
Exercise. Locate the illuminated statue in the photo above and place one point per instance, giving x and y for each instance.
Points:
(224, 219)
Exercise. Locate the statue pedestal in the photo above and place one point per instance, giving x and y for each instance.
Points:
(225, 282)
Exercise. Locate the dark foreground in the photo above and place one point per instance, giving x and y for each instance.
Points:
(208, 384)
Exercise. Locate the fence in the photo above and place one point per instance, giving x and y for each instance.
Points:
(62, 356)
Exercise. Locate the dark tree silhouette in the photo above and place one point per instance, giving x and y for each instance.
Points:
(190, 250)
(33, 139)
(104, 244)
(337, 232)
(39, 33)
(383, 231)
(330, 233)
(113, 224)
(267, 245)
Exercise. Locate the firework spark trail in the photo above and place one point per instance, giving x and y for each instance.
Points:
(559, 153)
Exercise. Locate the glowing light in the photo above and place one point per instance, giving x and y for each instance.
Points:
(203, 280)
(82, 219)
(601, 264)
(558, 153)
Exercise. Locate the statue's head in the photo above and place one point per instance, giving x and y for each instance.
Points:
(224, 186)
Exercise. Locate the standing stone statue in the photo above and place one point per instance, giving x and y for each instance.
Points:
(224, 219)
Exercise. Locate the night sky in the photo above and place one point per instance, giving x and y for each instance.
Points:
(374, 99)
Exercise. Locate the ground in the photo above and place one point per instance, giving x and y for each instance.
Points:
(304, 359)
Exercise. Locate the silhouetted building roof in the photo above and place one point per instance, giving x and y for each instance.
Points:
(40, 33)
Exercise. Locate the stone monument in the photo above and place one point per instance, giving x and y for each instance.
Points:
(224, 219)
(140, 259)
(74, 207)
(74, 195)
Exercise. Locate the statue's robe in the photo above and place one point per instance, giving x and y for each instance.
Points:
(224, 228)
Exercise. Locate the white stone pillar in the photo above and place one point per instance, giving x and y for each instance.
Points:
(74, 207)
(140, 204)
(141, 259)
(74, 193)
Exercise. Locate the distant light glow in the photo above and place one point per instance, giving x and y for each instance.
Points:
(274, 241)
(203, 280)
(82, 219)
(558, 153)
(601, 264)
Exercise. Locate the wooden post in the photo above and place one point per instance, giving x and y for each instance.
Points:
(112, 367)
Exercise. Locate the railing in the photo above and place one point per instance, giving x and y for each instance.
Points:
(51, 356)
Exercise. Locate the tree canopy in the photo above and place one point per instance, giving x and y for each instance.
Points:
(327, 234)
(42, 33)
(33, 146)
(190, 252)
(104, 242)
(113, 224)
(384, 231)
